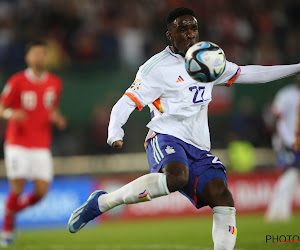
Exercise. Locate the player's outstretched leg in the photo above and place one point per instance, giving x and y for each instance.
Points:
(142, 189)
(86, 212)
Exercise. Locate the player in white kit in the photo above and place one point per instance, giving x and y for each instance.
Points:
(285, 109)
(178, 143)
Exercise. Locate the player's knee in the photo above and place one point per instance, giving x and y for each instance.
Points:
(41, 188)
(17, 186)
(216, 193)
(40, 193)
(177, 174)
(176, 182)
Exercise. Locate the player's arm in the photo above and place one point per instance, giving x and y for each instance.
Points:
(7, 113)
(118, 117)
(144, 90)
(263, 74)
(58, 119)
(8, 98)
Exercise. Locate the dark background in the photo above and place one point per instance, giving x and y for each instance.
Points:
(96, 46)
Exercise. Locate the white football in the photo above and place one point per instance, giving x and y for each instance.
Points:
(205, 61)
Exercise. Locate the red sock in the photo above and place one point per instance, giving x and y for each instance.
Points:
(31, 199)
(10, 211)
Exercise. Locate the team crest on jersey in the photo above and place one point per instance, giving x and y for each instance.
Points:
(136, 84)
(170, 150)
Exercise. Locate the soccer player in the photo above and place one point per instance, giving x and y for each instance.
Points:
(29, 102)
(286, 111)
(178, 143)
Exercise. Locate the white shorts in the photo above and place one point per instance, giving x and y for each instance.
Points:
(27, 163)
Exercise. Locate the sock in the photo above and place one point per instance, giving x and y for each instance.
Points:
(144, 188)
(29, 200)
(224, 230)
(10, 211)
(280, 206)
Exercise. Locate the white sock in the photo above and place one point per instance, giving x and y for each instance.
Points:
(144, 188)
(224, 230)
(280, 206)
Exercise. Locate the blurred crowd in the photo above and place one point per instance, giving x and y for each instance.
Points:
(259, 32)
(126, 33)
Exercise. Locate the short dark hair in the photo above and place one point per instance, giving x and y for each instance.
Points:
(178, 12)
(37, 42)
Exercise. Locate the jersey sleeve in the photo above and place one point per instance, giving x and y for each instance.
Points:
(254, 74)
(10, 92)
(118, 117)
(145, 89)
(231, 73)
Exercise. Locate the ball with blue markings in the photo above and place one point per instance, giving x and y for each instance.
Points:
(205, 61)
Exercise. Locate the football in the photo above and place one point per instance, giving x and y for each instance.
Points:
(205, 61)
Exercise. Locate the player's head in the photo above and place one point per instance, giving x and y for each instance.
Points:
(182, 29)
(36, 54)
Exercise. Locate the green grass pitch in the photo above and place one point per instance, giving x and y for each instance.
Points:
(165, 234)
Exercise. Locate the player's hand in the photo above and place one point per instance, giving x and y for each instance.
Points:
(18, 115)
(59, 120)
(117, 144)
(296, 144)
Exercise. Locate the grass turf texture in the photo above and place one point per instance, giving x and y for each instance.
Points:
(176, 234)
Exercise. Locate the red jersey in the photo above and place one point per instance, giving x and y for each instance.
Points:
(38, 98)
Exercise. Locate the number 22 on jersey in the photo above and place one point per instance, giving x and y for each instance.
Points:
(199, 92)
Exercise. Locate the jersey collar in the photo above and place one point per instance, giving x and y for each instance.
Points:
(168, 49)
(33, 78)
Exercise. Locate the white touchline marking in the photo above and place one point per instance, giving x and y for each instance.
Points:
(125, 246)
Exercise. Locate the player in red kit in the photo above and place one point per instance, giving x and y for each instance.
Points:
(29, 102)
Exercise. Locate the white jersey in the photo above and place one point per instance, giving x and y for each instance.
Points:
(178, 104)
(285, 107)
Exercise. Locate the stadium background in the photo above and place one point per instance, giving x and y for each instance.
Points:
(97, 46)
